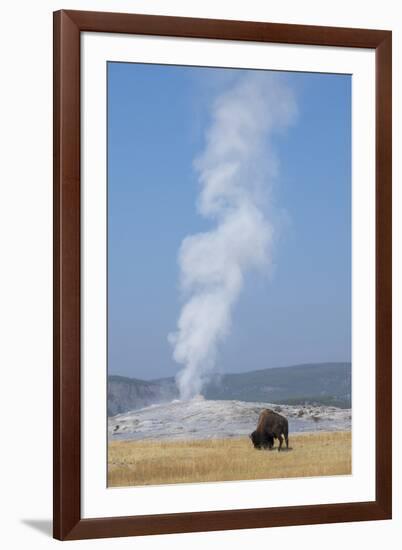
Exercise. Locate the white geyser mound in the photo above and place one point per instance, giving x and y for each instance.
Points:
(235, 171)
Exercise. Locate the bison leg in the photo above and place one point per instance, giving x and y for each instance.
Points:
(285, 433)
(286, 439)
(280, 442)
(270, 441)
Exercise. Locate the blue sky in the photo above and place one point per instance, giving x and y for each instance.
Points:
(157, 117)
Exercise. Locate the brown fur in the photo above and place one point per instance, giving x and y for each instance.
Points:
(271, 425)
(264, 414)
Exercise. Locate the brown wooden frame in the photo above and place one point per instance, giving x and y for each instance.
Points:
(67, 420)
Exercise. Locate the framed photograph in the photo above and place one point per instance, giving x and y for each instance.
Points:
(222, 274)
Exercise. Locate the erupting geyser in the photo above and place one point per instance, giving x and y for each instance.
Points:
(234, 170)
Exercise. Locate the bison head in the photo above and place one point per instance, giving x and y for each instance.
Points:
(262, 441)
(256, 440)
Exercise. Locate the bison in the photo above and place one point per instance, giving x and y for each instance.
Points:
(271, 425)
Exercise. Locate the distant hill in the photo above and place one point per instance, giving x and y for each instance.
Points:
(322, 383)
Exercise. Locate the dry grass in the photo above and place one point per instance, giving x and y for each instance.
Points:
(156, 463)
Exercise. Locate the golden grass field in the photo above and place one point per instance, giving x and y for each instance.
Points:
(160, 462)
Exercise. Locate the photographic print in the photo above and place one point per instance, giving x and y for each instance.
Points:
(207, 256)
(229, 274)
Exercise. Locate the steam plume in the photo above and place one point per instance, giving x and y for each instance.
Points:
(235, 171)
